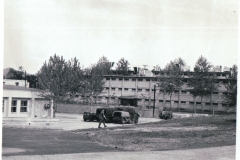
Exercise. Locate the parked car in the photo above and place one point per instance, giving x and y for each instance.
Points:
(121, 117)
(108, 111)
(165, 114)
(88, 116)
(133, 114)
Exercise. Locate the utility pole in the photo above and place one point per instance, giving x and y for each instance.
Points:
(154, 91)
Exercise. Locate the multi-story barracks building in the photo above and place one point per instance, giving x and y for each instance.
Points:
(138, 90)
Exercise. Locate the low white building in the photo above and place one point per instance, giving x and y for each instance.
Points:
(19, 101)
(16, 82)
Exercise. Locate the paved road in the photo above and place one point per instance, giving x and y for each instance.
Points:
(216, 153)
(70, 122)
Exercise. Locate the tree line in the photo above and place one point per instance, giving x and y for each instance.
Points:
(62, 80)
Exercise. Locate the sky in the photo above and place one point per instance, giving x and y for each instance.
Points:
(144, 32)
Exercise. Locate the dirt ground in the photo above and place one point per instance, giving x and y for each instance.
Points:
(194, 132)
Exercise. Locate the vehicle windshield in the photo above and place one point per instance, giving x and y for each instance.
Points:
(117, 114)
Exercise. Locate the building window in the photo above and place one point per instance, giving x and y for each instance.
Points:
(224, 105)
(147, 90)
(24, 105)
(139, 79)
(126, 79)
(107, 88)
(215, 92)
(198, 102)
(113, 79)
(184, 92)
(139, 90)
(17, 83)
(175, 101)
(149, 107)
(125, 89)
(133, 79)
(207, 103)
(160, 100)
(14, 106)
(167, 101)
(133, 89)
(147, 79)
(191, 102)
(183, 102)
(107, 78)
(120, 79)
(113, 89)
(176, 91)
(119, 89)
(215, 104)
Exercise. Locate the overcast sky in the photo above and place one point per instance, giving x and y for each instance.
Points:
(145, 32)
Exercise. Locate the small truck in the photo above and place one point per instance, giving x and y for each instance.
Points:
(88, 116)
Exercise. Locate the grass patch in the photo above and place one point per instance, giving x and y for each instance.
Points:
(217, 130)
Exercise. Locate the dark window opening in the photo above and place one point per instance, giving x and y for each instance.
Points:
(183, 92)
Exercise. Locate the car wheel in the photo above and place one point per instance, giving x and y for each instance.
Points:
(130, 121)
(123, 121)
(84, 119)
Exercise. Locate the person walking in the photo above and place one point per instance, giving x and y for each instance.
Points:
(102, 119)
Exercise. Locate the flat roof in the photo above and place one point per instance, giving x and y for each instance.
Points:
(13, 87)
